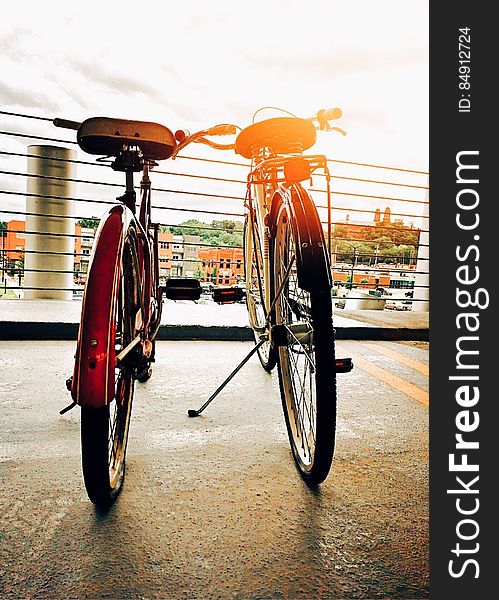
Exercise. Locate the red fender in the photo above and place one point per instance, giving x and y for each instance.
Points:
(93, 382)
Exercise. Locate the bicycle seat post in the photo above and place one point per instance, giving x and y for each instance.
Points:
(128, 160)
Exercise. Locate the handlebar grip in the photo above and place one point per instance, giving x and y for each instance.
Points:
(181, 135)
(64, 123)
(221, 130)
(329, 114)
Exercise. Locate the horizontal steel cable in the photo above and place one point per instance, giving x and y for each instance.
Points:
(375, 166)
(107, 163)
(111, 202)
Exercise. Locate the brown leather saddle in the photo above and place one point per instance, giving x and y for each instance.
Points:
(106, 136)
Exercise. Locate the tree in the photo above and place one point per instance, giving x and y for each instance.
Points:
(349, 282)
(386, 241)
(216, 233)
(90, 222)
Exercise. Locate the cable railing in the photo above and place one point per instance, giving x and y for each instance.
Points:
(379, 250)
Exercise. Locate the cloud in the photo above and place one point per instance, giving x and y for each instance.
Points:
(351, 63)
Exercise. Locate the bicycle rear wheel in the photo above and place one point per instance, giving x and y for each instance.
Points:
(255, 291)
(104, 430)
(306, 360)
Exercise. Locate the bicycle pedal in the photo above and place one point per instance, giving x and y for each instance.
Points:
(227, 295)
(182, 289)
(344, 365)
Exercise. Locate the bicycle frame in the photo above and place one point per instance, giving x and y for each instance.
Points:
(93, 383)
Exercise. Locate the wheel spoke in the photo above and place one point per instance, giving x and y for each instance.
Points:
(255, 292)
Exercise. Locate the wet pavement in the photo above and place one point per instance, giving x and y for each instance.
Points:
(213, 507)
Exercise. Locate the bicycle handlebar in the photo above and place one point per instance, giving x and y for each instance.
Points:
(323, 116)
(199, 137)
(221, 130)
(330, 114)
(66, 124)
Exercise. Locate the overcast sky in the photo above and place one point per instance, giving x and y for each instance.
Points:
(193, 63)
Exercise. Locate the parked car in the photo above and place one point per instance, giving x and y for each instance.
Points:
(207, 287)
(398, 305)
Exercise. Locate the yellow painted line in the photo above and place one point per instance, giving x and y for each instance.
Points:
(401, 358)
(399, 384)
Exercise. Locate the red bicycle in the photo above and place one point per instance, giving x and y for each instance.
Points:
(121, 310)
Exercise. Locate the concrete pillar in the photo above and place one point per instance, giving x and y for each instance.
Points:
(422, 294)
(47, 217)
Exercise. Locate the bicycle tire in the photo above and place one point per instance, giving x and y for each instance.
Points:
(255, 291)
(306, 364)
(104, 430)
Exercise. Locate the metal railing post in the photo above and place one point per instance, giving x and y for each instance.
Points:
(47, 205)
(421, 289)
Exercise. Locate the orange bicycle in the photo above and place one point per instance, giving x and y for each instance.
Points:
(288, 281)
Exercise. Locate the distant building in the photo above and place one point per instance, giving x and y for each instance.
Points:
(165, 254)
(15, 241)
(84, 240)
(191, 255)
(387, 216)
(222, 266)
(361, 279)
(179, 255)
(357, 226)
(185, 255)
(358, 230)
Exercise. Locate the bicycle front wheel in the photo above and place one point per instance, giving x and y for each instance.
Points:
(306, 361)
(104, 430)
(255, 291)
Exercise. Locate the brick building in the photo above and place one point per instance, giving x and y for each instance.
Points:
(179, 255)
(362, 279)
(165, 254)
(14, 242)
(222, 266)
(84, 239)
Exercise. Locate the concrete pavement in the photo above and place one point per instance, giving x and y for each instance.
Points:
(213, 507)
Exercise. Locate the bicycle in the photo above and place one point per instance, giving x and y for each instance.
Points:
(288, 281)
(122, 302)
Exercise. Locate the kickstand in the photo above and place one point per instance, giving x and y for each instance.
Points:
(195, 413)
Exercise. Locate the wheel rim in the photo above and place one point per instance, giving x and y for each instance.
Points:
(297, 369)
(255, 289)
(120, 408)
